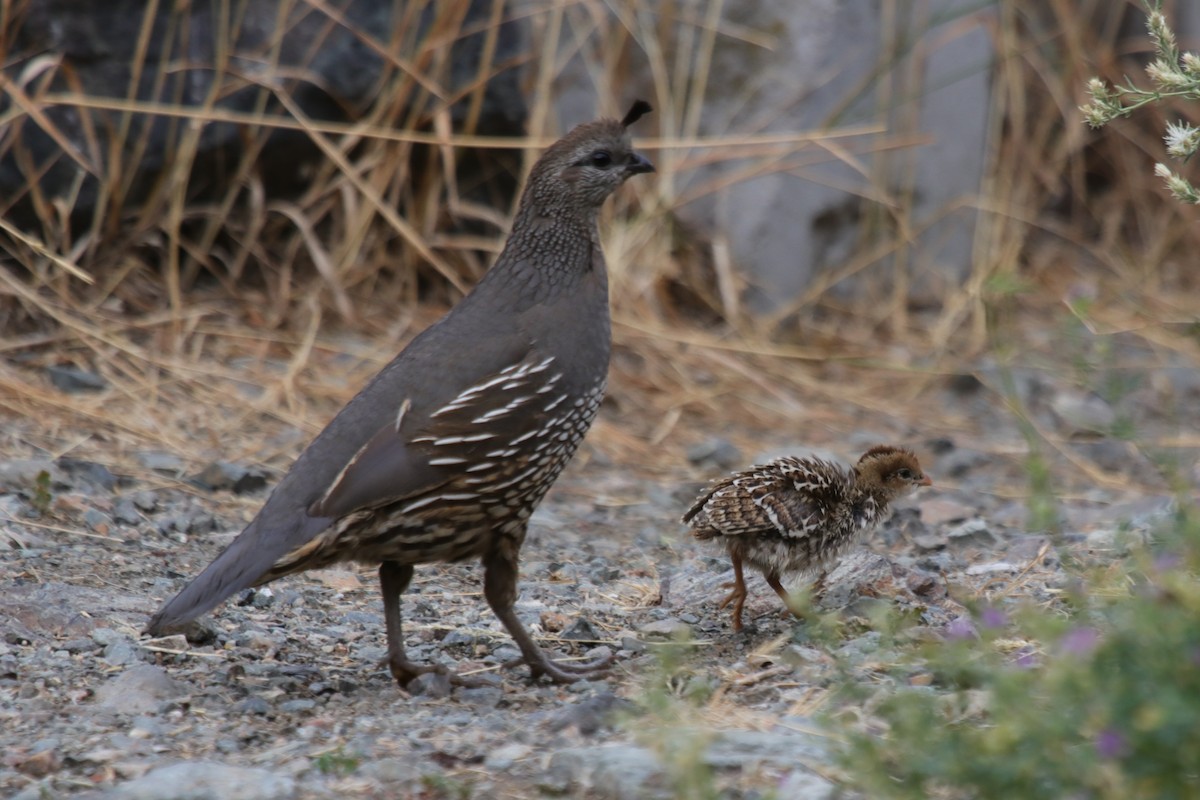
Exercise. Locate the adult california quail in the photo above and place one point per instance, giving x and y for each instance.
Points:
(799, 514)
(447, 451)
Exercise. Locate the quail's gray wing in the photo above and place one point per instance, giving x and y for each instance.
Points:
(470, 438)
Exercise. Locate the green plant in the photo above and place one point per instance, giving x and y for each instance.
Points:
(335, 762)
(1174, 75)
(1098, 697)
(669, 721)
(42, 496)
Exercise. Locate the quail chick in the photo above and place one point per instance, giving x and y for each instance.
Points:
(444, 455)
(799, 514)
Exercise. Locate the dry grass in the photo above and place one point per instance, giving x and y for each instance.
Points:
(227, 321)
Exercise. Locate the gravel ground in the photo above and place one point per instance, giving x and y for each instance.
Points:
(287, 697)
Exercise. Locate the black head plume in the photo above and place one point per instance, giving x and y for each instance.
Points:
(639, 109)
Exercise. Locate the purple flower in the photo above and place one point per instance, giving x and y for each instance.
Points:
(1165, 562)
(992, 617)
(1027, 658)
(1110, 744)
(960, 628)
(1080, 641)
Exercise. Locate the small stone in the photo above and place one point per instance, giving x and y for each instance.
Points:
(992, 568)
(221, 476)
(480, 696)
(617, 771)
(669, 628)
(434, 685)
(581, 630)
(123, 652)
(553, 621)
(941, 510)
(297, 705)
(126, 512)
(1082, 413)
(73, 380)
(97, 521)
(206, 780)
(505, 756)
(633, 644)
(138, 690)
(972, 533)
(80, 645)
(804, 785)
(88, 472)
(253, 705)
(145, 500)
(717, 452)
(40, 764)
(165, 463)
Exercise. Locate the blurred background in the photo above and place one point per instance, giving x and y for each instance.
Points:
(872, 221)
(218, 218)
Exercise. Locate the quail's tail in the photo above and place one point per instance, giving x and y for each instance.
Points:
(242, 564)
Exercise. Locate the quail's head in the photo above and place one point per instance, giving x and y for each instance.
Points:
(895, 470)
(583, 168)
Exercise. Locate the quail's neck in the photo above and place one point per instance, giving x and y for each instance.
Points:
(547, 255)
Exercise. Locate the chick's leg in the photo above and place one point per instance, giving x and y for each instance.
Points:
(738, 595)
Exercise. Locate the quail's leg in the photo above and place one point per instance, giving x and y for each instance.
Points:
(818, 587)
(393, 580)
(738, 595)
(500, 589)
(773, 582)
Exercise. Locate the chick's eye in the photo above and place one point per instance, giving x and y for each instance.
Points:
(601, 158)
(905, 474)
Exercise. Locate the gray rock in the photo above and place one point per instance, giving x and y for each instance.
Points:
(480, 696)
(395, 773)
(581, 630)
(97, 520)
(253, 705)
(206, 780)
(716, 452)
(166, 463)
(89, 473)
(21, 475)
(800, 784)
(611, 771)
(747, 750)
(298, 705)
(972, 533)
(435, 685)
(138, 690)
(123, 651)
(126, 512)
(505, 756)
(345, 73)
(1082, 412)
(669, 628)
(221, 476)
(74, 380)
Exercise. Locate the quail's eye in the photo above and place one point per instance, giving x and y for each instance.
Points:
(905, 474)
(601, 158)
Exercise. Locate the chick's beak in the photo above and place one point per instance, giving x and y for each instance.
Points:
(638, 164)
(925, 481)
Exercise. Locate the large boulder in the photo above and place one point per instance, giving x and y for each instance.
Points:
(188, 57)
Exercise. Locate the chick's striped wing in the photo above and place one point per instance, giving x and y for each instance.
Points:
(787, 496)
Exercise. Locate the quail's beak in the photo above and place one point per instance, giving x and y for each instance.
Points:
(925, 481)
(638, 164)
